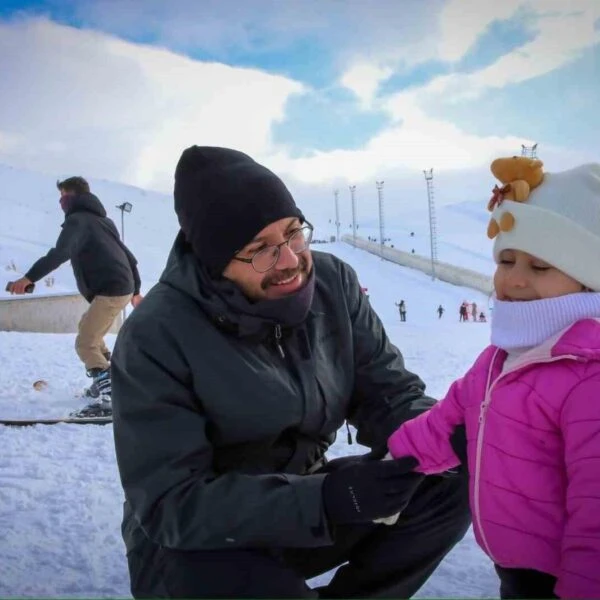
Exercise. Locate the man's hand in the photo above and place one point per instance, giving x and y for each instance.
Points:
(338, 463)
(19, 286)
(367, 490)
(136, 300)
(458, 441)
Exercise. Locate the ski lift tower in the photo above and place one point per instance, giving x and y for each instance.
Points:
(379, 185)
(353, 199)
(529, 151)
(336, 194)
(432, 220)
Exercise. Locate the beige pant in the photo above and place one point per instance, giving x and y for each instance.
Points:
(94, 325)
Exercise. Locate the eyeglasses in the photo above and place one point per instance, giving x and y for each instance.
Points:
(266, 258)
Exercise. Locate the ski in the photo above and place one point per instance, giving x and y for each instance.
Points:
(102, 420)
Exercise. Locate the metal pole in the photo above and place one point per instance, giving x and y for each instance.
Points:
(336, 194)
(429, 181)
(529, 151)
(123, 225)
(124, 312)
(353, 199)
(379, 185)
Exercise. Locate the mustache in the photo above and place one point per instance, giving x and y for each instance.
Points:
(276, 277)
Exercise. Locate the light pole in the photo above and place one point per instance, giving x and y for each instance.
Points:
(379, 185)
(124, 208)
(336, 194)
(353, 200)
(432, 221)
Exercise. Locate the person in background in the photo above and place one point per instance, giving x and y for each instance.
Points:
(531, 401)
(440, 311)
(230, 383)
(402, 310)
(106, 275)
(474, 312)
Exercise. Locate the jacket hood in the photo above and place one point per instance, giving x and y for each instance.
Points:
(85, 203)
(223, 301)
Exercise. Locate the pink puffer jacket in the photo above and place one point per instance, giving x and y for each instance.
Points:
(534, 455)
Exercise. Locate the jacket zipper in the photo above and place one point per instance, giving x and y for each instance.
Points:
(480, 434)
(480, 429)
(278, 340)
(349, 438)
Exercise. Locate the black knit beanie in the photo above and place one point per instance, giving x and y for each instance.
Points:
(223, 198)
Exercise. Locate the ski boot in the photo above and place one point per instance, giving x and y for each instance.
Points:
(100, 391)
(93, 391)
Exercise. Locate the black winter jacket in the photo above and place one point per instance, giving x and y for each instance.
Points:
(215, 430)
(102, 264)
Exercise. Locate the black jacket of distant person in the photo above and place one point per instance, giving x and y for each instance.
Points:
(102, 264)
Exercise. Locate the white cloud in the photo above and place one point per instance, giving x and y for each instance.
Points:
(560, 39)
(461, 22)
(562, 35)
(87, 102)
(364, 78)
(560, 23)
(78, 101)
(349, 28)
(419, 143)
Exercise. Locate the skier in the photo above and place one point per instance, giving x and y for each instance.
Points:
(474, 311)
(463, 312)
(402, 310)
(106, 275)
(440, 311)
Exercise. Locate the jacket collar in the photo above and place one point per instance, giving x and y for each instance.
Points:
(580, 340)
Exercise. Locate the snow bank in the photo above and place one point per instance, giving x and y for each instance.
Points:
(56, 313)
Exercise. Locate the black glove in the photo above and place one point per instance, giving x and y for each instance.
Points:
(458, 441)
(337, 463)
(367, 490)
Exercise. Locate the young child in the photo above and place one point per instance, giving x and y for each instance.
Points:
(531, 401)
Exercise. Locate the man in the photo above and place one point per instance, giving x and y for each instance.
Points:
(106, 275)
(230, 383)
(402, 310)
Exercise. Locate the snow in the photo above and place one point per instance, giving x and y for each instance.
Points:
(60, 495)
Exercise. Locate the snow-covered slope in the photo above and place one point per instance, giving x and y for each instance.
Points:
(32, 217)
(60, 498)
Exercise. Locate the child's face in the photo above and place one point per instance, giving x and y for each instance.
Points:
(520, 276)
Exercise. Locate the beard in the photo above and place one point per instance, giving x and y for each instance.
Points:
(274, 277)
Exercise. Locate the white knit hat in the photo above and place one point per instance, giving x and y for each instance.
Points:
(559, 223)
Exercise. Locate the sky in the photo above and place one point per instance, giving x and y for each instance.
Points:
(327, 94)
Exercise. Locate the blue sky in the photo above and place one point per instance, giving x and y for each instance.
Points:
(325, 91)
